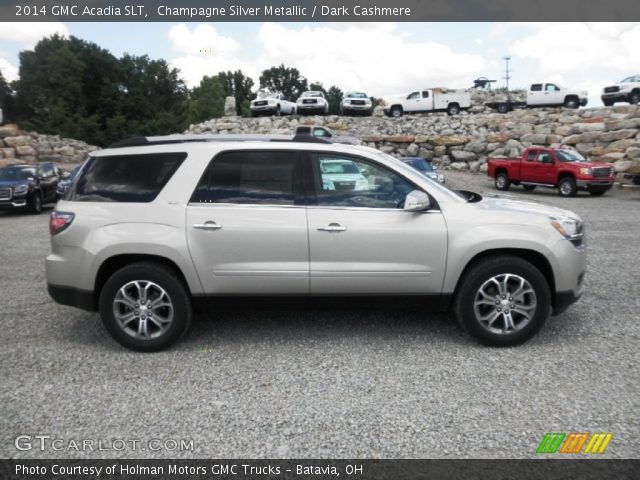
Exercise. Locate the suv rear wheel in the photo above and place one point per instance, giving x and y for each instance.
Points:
(145, 306)
(503, 301)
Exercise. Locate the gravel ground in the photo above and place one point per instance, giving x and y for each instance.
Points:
(317, 379)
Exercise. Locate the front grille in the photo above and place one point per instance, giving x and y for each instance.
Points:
(5, 194)
(357, 102)
(309, 100)
(602, 172)
(260, 103)
(344, 185)
(611, 89)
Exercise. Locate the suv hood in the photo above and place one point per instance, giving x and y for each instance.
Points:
(501, 203)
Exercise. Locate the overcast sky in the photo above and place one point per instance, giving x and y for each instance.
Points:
(379, 58)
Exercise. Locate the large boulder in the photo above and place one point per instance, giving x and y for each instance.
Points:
(230, 107)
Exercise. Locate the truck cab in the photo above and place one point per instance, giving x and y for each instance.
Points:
(428, 100)
(550, 94)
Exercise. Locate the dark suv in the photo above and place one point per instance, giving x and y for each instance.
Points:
(24, 186)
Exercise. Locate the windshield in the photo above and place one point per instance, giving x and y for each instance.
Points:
(629, 80)
(17, 173)
(312, 94)
(265, 95)
(569, 156)
(338, 168)
(420, 164)
(356, 95)
(437, 186)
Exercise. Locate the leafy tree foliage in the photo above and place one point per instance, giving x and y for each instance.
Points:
(207, 100)
(287, 80)
(77, 89)
(6, 98)
(238, 85)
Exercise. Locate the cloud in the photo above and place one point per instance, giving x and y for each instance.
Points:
(380, 58)
(202, 51)
(376, 57)
(27, 34)
(561, 48)
(8, 70)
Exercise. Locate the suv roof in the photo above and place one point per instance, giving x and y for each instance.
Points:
(171, 139)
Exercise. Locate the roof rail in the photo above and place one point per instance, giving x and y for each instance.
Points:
(171, 139)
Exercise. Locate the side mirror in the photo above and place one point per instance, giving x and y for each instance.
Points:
(417, 201)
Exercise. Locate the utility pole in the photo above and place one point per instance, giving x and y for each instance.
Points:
(507, 77)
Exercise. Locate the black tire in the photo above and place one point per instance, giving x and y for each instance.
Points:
(396, 111)
(567, 187)
(293, 110)
(634, 97)
(503, 108)
(529, 187)
(571, 102)
(502, 181)
(278, 111)
(162, 276)
(478, 275)
(35, 204)
(597, 192)
(453, 109)
(608, 103)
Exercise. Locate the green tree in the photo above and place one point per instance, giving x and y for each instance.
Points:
(6, 98)
(334, 97)
(207, 100)
(289, 81)
(239, 86)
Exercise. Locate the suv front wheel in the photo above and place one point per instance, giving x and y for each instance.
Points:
(145, 306)
(503, 301)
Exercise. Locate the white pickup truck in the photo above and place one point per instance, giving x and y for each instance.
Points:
(627, 90)
(544, 95)
(428, 100)
(272, 103)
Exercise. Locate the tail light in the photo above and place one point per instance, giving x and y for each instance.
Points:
(59, 221)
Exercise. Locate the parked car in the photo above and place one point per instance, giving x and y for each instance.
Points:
(151, 224)
(28, 187)
(318, 131)
(66, 182)
(271, 103)
(356, 103)
(312, 102)
(544, 95)
(560, 168)
(627, 90)
(428, 100)
(424, 167)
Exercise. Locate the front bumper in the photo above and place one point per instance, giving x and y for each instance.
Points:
(615, 96)
(570, 265)
(357, 108)
(310, 108)
(605, 183)
(266, 109)
(14, 203)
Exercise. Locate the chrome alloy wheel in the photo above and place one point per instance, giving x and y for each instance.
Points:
(143, 309)
(501, 181)
(505, 304)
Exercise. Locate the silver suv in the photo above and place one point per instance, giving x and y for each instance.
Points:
(151, 223)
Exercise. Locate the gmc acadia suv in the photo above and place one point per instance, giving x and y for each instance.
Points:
(152, 223)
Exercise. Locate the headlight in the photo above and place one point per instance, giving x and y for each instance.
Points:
(21, 189)
(586, 171)
(568, 227)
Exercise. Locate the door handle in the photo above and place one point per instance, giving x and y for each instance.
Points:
(332, 227)
(207, 226)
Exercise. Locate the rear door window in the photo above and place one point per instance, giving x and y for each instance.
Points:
(125, 178)
(250, 177)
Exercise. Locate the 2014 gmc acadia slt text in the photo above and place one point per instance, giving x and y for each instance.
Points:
(152, 223)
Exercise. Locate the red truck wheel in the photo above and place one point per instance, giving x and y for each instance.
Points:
(502, 181)
(567, 187)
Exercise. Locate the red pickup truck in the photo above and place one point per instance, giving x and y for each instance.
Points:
(564, 169)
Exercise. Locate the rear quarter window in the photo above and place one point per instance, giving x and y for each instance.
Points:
(125, 178)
